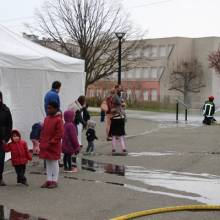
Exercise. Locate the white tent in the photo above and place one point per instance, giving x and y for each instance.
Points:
(27, 71)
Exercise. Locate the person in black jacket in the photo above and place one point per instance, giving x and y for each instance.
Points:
(5, 134)
(91, 136)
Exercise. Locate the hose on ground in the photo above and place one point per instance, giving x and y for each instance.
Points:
(168, 209)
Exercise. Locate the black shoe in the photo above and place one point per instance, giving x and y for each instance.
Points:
(113, 151)
(2, 183)
(25, 183)
(125, 151)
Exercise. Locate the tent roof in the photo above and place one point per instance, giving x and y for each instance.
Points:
(18, 52)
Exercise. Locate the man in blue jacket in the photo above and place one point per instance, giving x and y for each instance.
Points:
(52, 95)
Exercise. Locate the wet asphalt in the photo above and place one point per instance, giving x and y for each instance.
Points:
(168, 164)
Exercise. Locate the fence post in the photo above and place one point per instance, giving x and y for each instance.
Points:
(177, 110)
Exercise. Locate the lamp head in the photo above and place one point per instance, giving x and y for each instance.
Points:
(120, 35)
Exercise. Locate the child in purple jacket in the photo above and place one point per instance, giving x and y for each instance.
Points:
(70, 144)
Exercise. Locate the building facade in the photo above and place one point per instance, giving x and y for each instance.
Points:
(152, 64)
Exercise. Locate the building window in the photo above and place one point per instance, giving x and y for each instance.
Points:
(129, 94)
(154, 95)
(154, 52)
(146, 95)
(138, 53)
(130, 74)
(138, 73)
(115, 75)
(137, 93)
(162, 51)
(147, 52)
(146, 72)
(98, 93)
(154, 72)
(122, 75)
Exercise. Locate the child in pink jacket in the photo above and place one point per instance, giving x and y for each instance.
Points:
(70, 144)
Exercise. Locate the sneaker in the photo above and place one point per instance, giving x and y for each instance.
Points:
(52, 185)
(46, 184)
(73, 170)
(108, 139)
(2, 183)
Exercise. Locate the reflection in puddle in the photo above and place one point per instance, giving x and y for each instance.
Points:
(11, 214)
(206, 186)
(180, 124)
(102, 167)
(155, 154)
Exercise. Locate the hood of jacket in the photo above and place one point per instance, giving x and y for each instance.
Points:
(15, 132)
(69, 116)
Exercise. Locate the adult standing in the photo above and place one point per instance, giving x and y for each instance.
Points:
(5, 133)
(109, 102)
(79, 107)
(209, 111)
(117, 99)
(52, 95)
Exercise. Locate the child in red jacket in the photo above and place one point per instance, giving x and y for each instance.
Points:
(19, 155)
(50, 144)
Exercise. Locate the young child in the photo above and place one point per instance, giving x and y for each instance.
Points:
(91, 136)
(70, 144)
(118, 130)
(50, 144)
(19, 156)
(104, 109)
(35, 137)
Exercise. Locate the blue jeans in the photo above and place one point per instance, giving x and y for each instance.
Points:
(90, 147)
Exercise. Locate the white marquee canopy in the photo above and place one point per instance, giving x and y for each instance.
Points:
(27, 71)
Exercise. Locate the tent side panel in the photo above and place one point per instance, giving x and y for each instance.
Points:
(24, 91)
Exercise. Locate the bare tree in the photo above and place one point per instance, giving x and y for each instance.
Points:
(214, 60)
(91, 24)
(186, 78)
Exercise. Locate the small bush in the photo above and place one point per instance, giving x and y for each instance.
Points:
(136, 105)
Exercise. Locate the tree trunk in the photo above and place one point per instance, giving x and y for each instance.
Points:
(186, 98)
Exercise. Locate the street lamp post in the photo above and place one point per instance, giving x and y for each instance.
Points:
(120, 36)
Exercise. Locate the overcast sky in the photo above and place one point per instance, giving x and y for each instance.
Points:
(161, 18)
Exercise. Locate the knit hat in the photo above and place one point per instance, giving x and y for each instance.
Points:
(211, 98)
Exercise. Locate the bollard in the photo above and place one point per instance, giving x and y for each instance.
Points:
(177, 111)
(186, 114)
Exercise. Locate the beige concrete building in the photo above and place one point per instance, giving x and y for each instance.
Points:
(152, 64)
(149, 79)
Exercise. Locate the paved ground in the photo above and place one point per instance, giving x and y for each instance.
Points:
(168, 165)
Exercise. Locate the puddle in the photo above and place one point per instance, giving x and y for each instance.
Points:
(206, 186)
(11, 214)
(154, 154)
(100, 167)
(180, 124)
